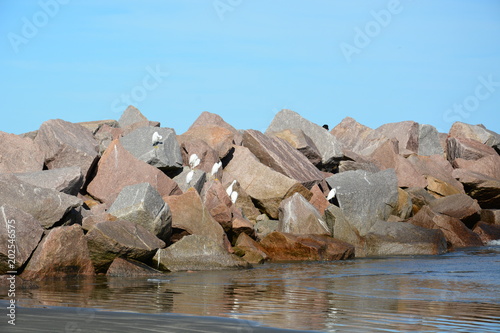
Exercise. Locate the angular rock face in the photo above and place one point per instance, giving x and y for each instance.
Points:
(207, 155)
(218, 138)
(111, 239)
(318, 199)
(358, 138)
(400, 238)
(65, 144)
(280, 156)
(141, 204)
(406, 132)
(289, 247)
(456, 233)
(419, 198)
(63, 252)
(164, 154)
(488, 165)
(218, 203)
(484, 189)
(490, 216)
(131, 116)
(327, 144)
(487, 232)
(94, 126)
(428, 141)
(298, 216)
(365, 198)
(298, 140)
(19, 154)
(460, 206)
(105, 135)
(211, 119)
(249, 250)
(404, 206)
(47, 206)
(266, 186)
(130, 268)
(467, 149)
(67, 180)
(118, 168)
(25, 233)
(189, 214)
(196, 252)
(197, 179)
(475, 132)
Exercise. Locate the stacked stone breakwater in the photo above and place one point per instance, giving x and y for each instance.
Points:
(130, 198)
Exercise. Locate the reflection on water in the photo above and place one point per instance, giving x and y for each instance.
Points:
(457, 292)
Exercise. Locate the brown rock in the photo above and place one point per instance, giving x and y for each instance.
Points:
(208, 156)
(111, 239)
(475, 132)
(18, 154)
(440, 188)
(456, 233)
(131, 116)
(265, 186)
(19, 231)
(460, 206)
(105, 135)
(406, 132)
(318, 199)
(66, 144)
(117, 168)
(89, 222)
(249, 250)
(282, 157)
(244, 201)
(488, 165)
(437, 167)
(212, 119)
(298, 216)
(289, 247)
(218, 203)
(419, 198)
(130, 268)
(484, 189)
(218, 138)
(356, 162)
(487, 232)
(467, 149)
(188, 213)
(404, 205)
(490, 216)
(298, 140)
(94, 126)
(62, 252)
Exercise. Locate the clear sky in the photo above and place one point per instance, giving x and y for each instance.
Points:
(432, 61)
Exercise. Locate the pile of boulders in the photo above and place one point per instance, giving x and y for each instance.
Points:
(129, 197)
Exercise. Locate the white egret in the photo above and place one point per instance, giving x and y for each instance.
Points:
(229, 190)
(216, 168)
(194, 160)
(156, 138)
(331, 194)
(234, 196)
(189, 176)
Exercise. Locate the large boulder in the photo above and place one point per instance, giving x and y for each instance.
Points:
(197, 179)
(365, 198)
(487, 232)
(111, 239)
(62, 252)
(456, 233)
(429, 142)
(67, 180)
(298, 140)
(211, 119)
(299, 216)
(280, 156)
(318, 199)
(218, 138)
(66, 144)
(189, 214)
(47, 206)
(401, 238)
(467, 149)
(281, 246)
(266, 186)
(406, 132)
(475, 132)
(131, 116)
(19, 154)
(19, 231)
(488, 165)
(460, 206)
(194, 253)
(250, 250)
(486, 190)
(118, 168)
(164, 153)
(328, 145)
(143, 205)
(490, 216)
(130, 268)
(218, 203)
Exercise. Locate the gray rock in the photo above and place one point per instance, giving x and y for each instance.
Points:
(143, 205)
(475, 132)
(165, 155)
(19, 154)
(67, 180)
(66, 144)
(365, 198)
(130, 116)
(265, 226)
(428, 141)
(298, 216)
(112, 239)
(197, 181)
(282, 157)
(27, 232)
(94, 126)
(194, 253)
(327, 144)
(45, 205)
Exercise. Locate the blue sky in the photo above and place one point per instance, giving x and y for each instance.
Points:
(432, 61)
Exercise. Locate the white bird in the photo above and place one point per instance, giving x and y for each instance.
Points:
(194, 160)
(234, 196)
(156, 138)
(229, 190)
(189, 176)
(216, 168)
(331, 194)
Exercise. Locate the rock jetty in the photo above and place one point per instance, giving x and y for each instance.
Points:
(132, 198)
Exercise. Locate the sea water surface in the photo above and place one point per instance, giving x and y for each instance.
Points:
(455, 292)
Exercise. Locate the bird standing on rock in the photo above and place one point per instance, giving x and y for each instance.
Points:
(194, 160)
(216, 168)
(156, 139)
(232, 194)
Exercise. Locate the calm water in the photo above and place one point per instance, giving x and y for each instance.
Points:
(456, 292)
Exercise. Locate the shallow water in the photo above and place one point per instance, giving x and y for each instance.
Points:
(456, 292)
